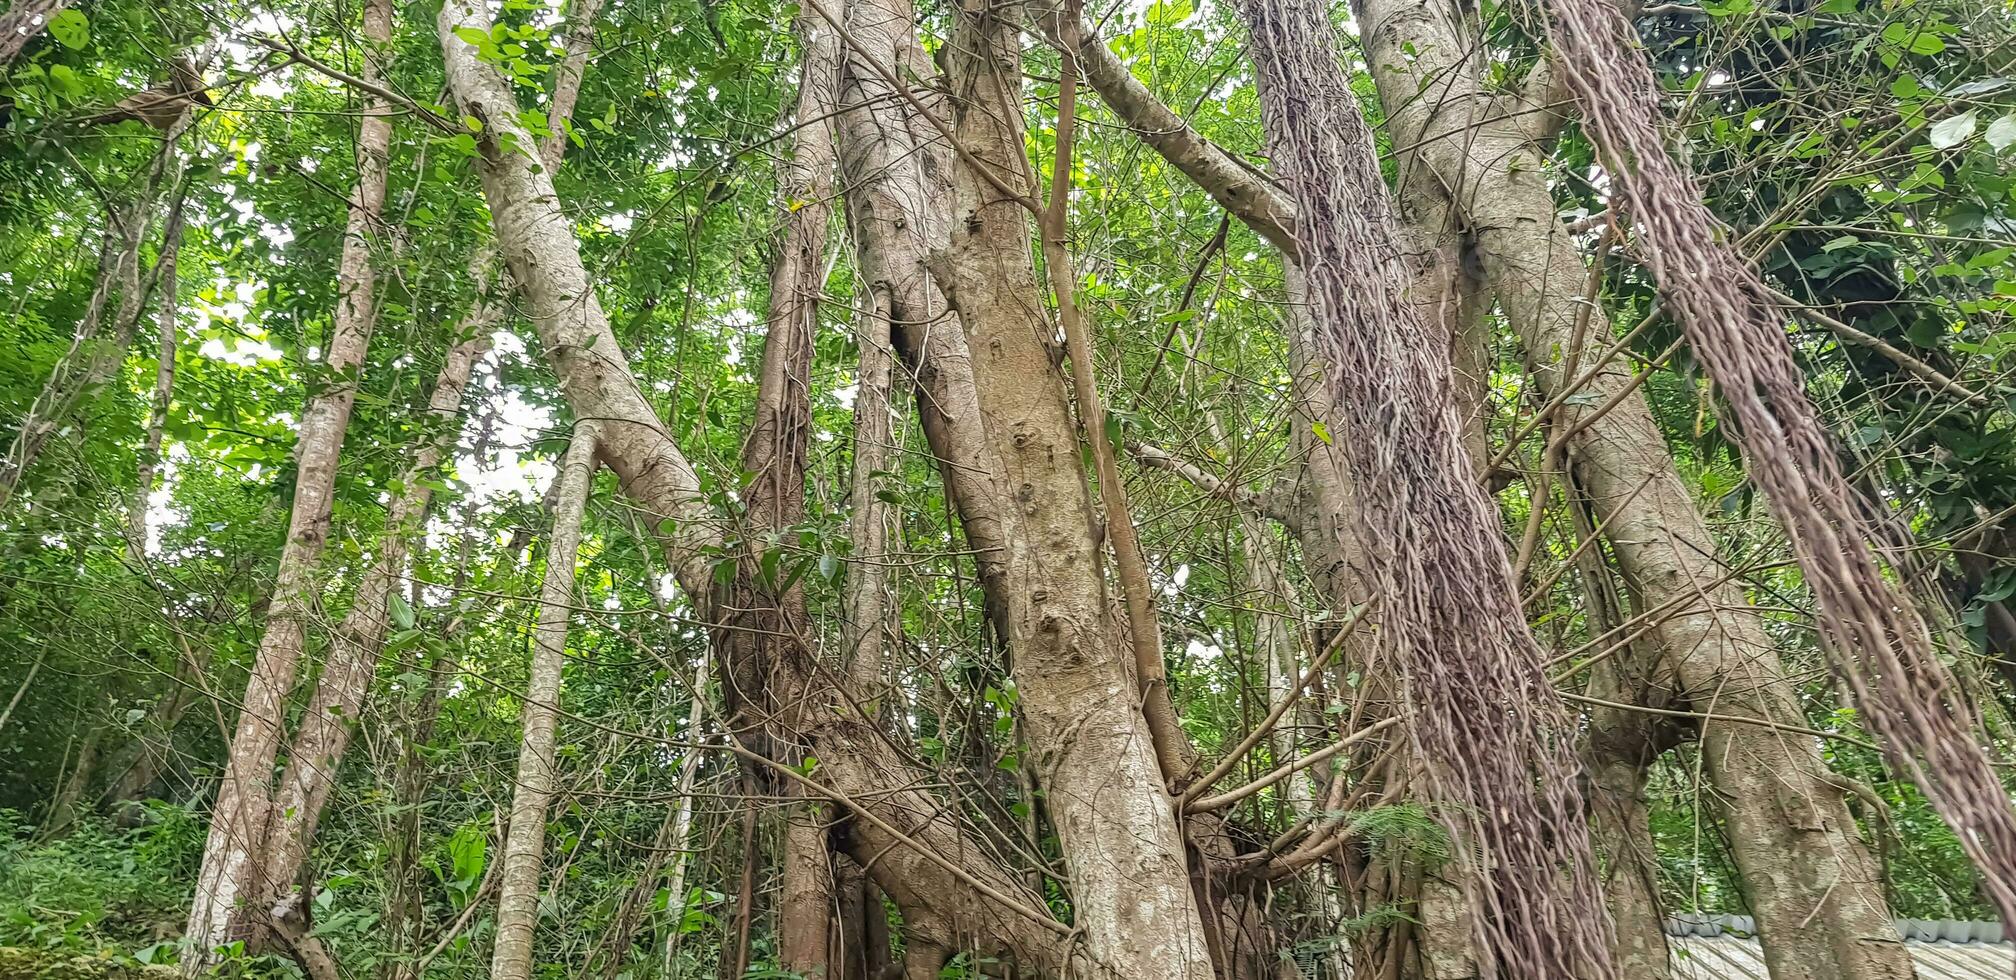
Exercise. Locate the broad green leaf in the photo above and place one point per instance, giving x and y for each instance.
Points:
(71, 29)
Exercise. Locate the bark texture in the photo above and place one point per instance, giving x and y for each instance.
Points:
(1880, 644)
(1094, 754)
(1489, 728)
(315, 757)
(22, 23)
(525, 838)
(234, 855)
(952, 893)
(1811, 882)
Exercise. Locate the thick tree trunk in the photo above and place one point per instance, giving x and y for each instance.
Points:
(1489, 730)
(525, 838)
(897, 172)
(1094, 755)
(951, 893)
(235, 854)
(1812, 884)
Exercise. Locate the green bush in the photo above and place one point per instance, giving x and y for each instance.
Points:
(98, 888)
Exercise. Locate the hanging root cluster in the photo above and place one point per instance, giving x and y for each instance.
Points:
(1496, 742)
(1880, 647)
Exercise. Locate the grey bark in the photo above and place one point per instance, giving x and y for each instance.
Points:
(1080, 707)
(1812, 884)
(525, 837)
(233, 857)
(916, 857)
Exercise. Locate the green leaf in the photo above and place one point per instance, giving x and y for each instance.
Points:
(1914, 38)
(1322, 432)
(66, 79)
(70, 28)
(402, 613)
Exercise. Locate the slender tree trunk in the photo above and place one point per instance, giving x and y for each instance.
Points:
(404, 904)
(87, 363)
(315, 758)
(234, 857)
(525, 838)
(681, 819)
(168, 334)
(868, 597)
(71, 789)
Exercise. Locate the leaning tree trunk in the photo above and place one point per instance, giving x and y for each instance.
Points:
(93, 356)
(168, 336)
(1816, 892)
(1878, 642)
(525, 837)
(235, 856)
(952, 895)
(315, 758)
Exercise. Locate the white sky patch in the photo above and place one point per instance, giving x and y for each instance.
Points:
(1203, 652)
(510, 475)
(161, 510)
(241, 352)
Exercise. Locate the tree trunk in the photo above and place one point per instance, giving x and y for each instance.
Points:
(1812, 884)
(681, 819)
(866, 635)
(168, 334)
(92, 355)
(315, 758)
(235, 855)
(926, 863)
(404, 901)
(767, 609)
(1094, 755)
(525, 838)
(1489, 728)
(22, 23)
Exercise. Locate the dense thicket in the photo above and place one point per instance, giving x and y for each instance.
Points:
(856, 488)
